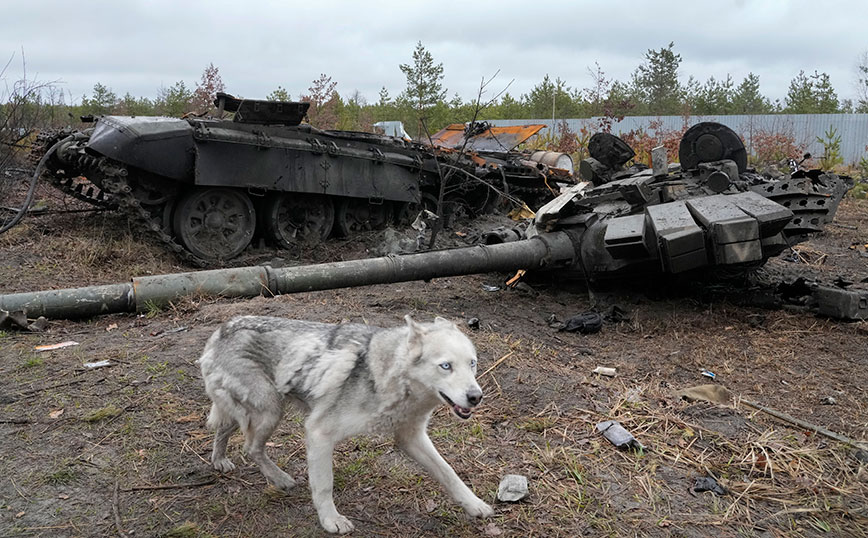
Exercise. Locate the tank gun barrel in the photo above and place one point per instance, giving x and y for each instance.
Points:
(543, 251)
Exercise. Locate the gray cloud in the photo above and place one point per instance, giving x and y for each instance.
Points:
(138, 46)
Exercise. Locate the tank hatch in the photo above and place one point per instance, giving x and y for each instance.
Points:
(262, 112)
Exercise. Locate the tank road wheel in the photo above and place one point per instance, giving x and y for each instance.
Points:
(215, 223)
(408, 211)
(296, 219)
(355, 215)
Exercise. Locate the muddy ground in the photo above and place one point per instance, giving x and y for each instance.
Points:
(123, 450)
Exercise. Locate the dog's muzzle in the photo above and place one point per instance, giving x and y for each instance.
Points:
(474, 397)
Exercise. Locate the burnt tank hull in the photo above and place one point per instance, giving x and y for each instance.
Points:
(206, 187)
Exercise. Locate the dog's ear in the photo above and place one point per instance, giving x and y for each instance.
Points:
(443, 322)
(414, 338)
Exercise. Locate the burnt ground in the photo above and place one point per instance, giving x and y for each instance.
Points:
(123, 450)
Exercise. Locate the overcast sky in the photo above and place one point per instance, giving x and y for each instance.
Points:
(137, 46)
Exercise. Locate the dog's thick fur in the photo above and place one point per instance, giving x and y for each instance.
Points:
(352, 379)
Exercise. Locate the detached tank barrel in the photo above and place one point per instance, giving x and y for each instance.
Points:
(545, 250)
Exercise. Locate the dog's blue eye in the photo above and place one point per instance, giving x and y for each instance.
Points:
(445, 366)
(473, 363)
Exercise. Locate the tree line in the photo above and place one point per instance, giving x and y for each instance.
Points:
(654, 88)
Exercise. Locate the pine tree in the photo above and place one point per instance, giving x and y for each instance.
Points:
(280, 94)
(175, 100)
(102, 102)
(384, 99)
(812, 94)
(655, 82)
(423, 82)
(824, 93)
(747, 98)
(800, 97)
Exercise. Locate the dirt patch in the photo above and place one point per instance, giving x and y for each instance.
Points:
(84, 451)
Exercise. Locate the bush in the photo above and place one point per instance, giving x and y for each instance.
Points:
(775, 147)
(644, 140)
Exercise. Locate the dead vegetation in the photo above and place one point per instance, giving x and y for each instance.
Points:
(107, 451)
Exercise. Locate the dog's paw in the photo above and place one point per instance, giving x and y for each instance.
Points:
(478, 508)
(284, 483)
(336, 524)
(223, 465)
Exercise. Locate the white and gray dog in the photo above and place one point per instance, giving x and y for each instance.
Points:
(352, 379)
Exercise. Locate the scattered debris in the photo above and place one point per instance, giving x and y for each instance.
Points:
(52, 347)
(555, 323)
(111, 327)
(17, 319)
(606, 371)
(842, 304)
(828, 400)
(56, 413)
(618, 436)
(707, 483)
(395, 243)
(521, 213)
(163, 332)
(709, 374)
(616, 314)
(524, 287)
(807, 425)
(585, 323)
(706, 393)
(489, 287)
(98, 364)
(516, 277)
(512, 488)
(473, 323)
(633, 395)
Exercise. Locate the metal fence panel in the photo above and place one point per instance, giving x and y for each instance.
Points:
(805, 128)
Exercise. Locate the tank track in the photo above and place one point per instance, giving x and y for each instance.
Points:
(116, 183)
(116, 192)
(76, 187)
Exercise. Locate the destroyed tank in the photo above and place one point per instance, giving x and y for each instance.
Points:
(206, 188)
(710, 212)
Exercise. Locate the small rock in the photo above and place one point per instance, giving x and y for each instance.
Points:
(707, 483)
(860, 454)
(512, 488)
(473, 323)
(618, 436)
(828, 400)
